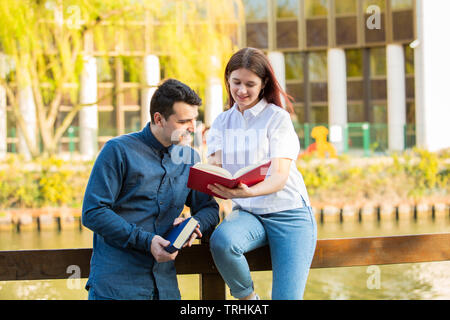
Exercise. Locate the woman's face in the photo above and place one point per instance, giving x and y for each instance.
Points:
(245, 87)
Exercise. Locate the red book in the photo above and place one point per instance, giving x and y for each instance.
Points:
(201, 174)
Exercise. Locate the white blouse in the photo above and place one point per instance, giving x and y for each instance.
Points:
(263, 132)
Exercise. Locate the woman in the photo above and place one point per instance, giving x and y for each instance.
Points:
(275, 211)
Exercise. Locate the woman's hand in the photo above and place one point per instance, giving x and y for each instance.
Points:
(241, 191)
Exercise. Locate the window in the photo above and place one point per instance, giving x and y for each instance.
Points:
(378, 61)
(346, 7)
(355, 112)
(255, 9)
(287, 8)
(316, 8)
(294, 66)
(374, 34)
(354, 62)
(401, 4)
(318, 66)
(316, 12)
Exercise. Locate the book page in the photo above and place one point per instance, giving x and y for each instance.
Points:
(214, 169)
(244, 170)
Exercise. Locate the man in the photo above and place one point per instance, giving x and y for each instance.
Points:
(135, 193)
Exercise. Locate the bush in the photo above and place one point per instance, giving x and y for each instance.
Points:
(410, 176)
(46, 182)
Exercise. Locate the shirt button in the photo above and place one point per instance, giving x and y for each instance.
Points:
(160, 202)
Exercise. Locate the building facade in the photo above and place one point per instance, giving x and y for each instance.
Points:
(366, 69)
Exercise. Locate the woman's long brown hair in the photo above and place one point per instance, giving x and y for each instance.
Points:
(254, 60)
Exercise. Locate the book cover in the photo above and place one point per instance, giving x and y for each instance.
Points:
(179, 234)
(200, 175)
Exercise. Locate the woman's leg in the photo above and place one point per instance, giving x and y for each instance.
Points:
(239, 233)
(292, 237)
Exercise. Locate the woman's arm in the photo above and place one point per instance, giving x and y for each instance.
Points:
(274, 183)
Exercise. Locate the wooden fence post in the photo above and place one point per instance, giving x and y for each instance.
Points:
(212, 286)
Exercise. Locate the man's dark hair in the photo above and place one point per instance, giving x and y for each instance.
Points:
(169, 92)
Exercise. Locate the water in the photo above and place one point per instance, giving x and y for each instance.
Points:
(400, 281)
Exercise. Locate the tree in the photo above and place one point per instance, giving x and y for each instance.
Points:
(44, 41)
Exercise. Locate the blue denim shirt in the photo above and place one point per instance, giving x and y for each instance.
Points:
(136, 189)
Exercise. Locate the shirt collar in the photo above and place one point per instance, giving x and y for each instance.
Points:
(151, 140)
(256, 109)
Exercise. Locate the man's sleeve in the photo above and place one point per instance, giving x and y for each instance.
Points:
(205, 209)
(102, 190)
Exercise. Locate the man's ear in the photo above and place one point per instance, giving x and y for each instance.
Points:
(158, 118)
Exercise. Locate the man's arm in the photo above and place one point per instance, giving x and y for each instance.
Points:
(205, 209)
(102, 190)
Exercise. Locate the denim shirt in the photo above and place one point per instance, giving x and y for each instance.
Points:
(136, 189)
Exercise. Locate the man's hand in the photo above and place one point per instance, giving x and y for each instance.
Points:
(196, 234)
(157, 249)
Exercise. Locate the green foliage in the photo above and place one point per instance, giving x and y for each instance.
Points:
(44, 44)
(409, 176)
(46, 182)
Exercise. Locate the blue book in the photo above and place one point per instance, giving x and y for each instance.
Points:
(179, 234)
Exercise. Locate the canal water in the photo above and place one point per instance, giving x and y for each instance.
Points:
(401, 281)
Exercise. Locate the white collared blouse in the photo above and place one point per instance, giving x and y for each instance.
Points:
(262, 132)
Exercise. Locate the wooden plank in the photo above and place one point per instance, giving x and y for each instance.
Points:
(53, 264)
(43, 264)
(382, 250)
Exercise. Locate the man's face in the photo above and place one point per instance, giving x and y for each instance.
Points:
(179, 125)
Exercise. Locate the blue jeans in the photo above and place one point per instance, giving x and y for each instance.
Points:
(291, 236)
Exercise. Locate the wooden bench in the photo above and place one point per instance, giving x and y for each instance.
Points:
(346, 252)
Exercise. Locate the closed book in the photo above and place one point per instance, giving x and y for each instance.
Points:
(180, 233)
(201, 175)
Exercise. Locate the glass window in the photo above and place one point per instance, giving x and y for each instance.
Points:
(131, 69)
(294, 66)
(346, 7)
(346, 30)
(319, 114)
(255, 9)
(403, 25)
(410, 113)
(107, 123)
(131, 97)
(287, 34)
(257, 35)
(105, 69)
(379, 113)
(287, 8)
(354, 61)
(132, 121)
(378, 61)
(409, 60)
(355, 112)
(316, 8)
(380, 3)
(300, 113)
(318, 66)
(401, 4)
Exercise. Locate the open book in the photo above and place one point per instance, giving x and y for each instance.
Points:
(202, 174)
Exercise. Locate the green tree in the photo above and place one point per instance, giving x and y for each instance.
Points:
(45, 40)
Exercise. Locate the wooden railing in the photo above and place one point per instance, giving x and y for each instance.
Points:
(53, 264)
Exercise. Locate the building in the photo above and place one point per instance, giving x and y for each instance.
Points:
(372, 71)
(360, 65)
